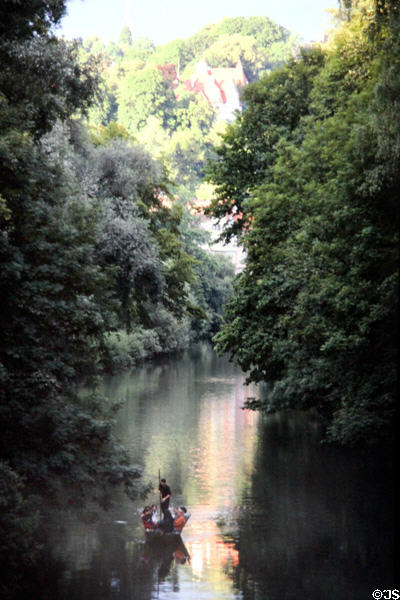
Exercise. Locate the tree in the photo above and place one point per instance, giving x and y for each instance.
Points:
(141, 50)
(322, 237)
(125, 243)
(267, 40)
(103, 134)
(126, 179)
(55, 443)
(275, 106)
(50, 83)
(142, 95)
(125, 37)
(168, 54)
(227, 50)
(21, 21)
(262, 29)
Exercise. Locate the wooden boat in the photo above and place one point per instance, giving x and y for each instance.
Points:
(161, 550)
(156, 537)
(156, 534)
(164, 538)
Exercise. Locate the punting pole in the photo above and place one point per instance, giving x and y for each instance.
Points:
(159, 482)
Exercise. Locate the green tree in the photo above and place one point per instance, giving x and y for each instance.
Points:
(314, 310)
(262, 29)
(55, 444)
(27, 20)
(168, 54)
(142, 95)
(50, 83)
(126, 179)
(275, 106)
(212, 287)
(141, 49)
(139, 230)
(102, 134)
(265, 38)
(227, 50)
(125, 37)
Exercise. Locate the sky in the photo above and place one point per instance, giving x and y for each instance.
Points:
(164, 20)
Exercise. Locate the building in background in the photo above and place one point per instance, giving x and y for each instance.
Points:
(220, 87)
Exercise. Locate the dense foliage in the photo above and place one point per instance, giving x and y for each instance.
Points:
(54, 443)
(309, 173)
(149, 244)
(143, 87)
(92, 250)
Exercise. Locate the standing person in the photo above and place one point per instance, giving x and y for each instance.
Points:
(165, 492)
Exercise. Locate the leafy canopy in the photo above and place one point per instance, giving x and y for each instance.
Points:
(309, 176)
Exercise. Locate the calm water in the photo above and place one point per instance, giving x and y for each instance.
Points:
(274, 514)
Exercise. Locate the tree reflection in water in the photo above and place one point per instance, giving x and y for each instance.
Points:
(275, 514)
(127, 569)
(160, 558)
(318, 520)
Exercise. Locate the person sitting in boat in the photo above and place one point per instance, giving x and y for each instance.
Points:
(154, 516)
(181, 518)
(146, 518)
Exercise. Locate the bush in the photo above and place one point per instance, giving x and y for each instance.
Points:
(126, 350)
(173, 333)
(18, 531)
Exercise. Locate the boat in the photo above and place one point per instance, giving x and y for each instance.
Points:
(161, 550)
(156, 537)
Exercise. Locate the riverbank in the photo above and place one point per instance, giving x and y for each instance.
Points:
(124, 351)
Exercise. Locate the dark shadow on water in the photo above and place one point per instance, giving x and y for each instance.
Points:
(125, 569)
(300, 521)
(318, 520)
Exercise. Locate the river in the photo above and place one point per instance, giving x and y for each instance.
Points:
(275, 514)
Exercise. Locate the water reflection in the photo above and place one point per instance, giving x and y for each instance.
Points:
(275, 515)
(184, 417)
(318, 522)
(127, 569)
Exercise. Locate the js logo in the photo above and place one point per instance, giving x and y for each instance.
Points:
(386, 594)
